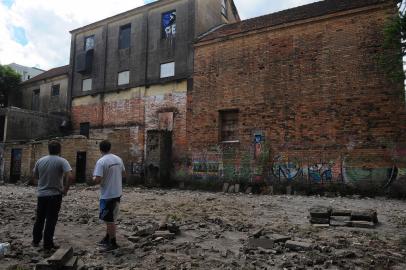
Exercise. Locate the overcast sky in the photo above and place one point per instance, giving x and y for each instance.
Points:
(36, 32)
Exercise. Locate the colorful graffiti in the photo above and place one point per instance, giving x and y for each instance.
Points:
(285, 169)
(320, 173)
(169, 24)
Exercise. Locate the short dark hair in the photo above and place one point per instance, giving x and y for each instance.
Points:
(105, 146)
(54, 148)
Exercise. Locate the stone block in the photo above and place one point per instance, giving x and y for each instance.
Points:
(237, 188)
(61, 256)
(44, 265)
(231, 189)
(225, 187)
(320, 212)
(71, 264)
(298, 246)
(254, 243)
(366, 215)
(340, 221)
(340, 212)
(363, 224)
(278, 238)
(316, 220)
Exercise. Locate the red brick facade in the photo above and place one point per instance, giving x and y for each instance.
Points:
(311, 91)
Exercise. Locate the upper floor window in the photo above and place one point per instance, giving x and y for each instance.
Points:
(167, 70)
(224, 9)
(169, 24)
(84, 129)
(124, 40)
(35, 100)
(55, 90)
(87, 84)
(123, 78)
(89, 43)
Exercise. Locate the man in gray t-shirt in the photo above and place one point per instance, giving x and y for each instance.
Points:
(53, 175)
(108, 172)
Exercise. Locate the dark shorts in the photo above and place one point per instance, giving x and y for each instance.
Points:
(109, 209)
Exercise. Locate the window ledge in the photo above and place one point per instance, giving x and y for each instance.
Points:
(230, 142)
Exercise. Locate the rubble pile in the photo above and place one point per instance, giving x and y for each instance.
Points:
(175, 229)
(322, 216)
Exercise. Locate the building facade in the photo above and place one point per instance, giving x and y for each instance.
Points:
(38, 111)
(130, 76)
(298, 95)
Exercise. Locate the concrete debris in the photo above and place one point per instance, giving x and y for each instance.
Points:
(278, 238)
(262, 243)
(61, 256)
(298, 246)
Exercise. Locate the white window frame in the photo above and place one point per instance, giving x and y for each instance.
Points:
(90, 85)
(123, 77)
(167, 70)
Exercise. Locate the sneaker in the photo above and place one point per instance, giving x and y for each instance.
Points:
(110, 247)
(104, 241)
(34, 244)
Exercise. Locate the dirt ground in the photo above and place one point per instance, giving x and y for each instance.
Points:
(215, 228)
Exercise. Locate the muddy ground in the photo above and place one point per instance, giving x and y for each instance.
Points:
(215, 228)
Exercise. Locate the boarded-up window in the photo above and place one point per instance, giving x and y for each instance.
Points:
(84, 129)
(55, 90)
(169, 24)
(123, 78)
(87, 85)
(35, 100)
(167, 70)
(124, 40)
(229, 126)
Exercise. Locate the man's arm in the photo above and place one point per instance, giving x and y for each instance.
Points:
(97, 179)
(67, 181)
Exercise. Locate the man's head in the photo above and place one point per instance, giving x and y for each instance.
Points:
(105, 147)
(54, 148)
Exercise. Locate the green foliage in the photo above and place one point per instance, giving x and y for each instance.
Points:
(395, 44)
(9, 82)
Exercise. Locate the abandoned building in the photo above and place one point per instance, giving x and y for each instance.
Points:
(185, 90)
(130, 75)
(298, 94)
(39, 110)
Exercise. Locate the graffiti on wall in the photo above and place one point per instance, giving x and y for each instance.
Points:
(286, 169)
(169, 24)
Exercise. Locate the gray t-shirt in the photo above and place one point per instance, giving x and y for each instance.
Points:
(110, 167)
(49, 171)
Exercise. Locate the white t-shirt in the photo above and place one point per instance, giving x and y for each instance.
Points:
(110, 167)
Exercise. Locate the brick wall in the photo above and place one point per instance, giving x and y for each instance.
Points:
(125, 117)
(312, 91)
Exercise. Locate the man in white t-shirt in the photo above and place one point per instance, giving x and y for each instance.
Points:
(108, 172)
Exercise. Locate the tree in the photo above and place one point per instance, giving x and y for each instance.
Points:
(394, 45)
(9, 83)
